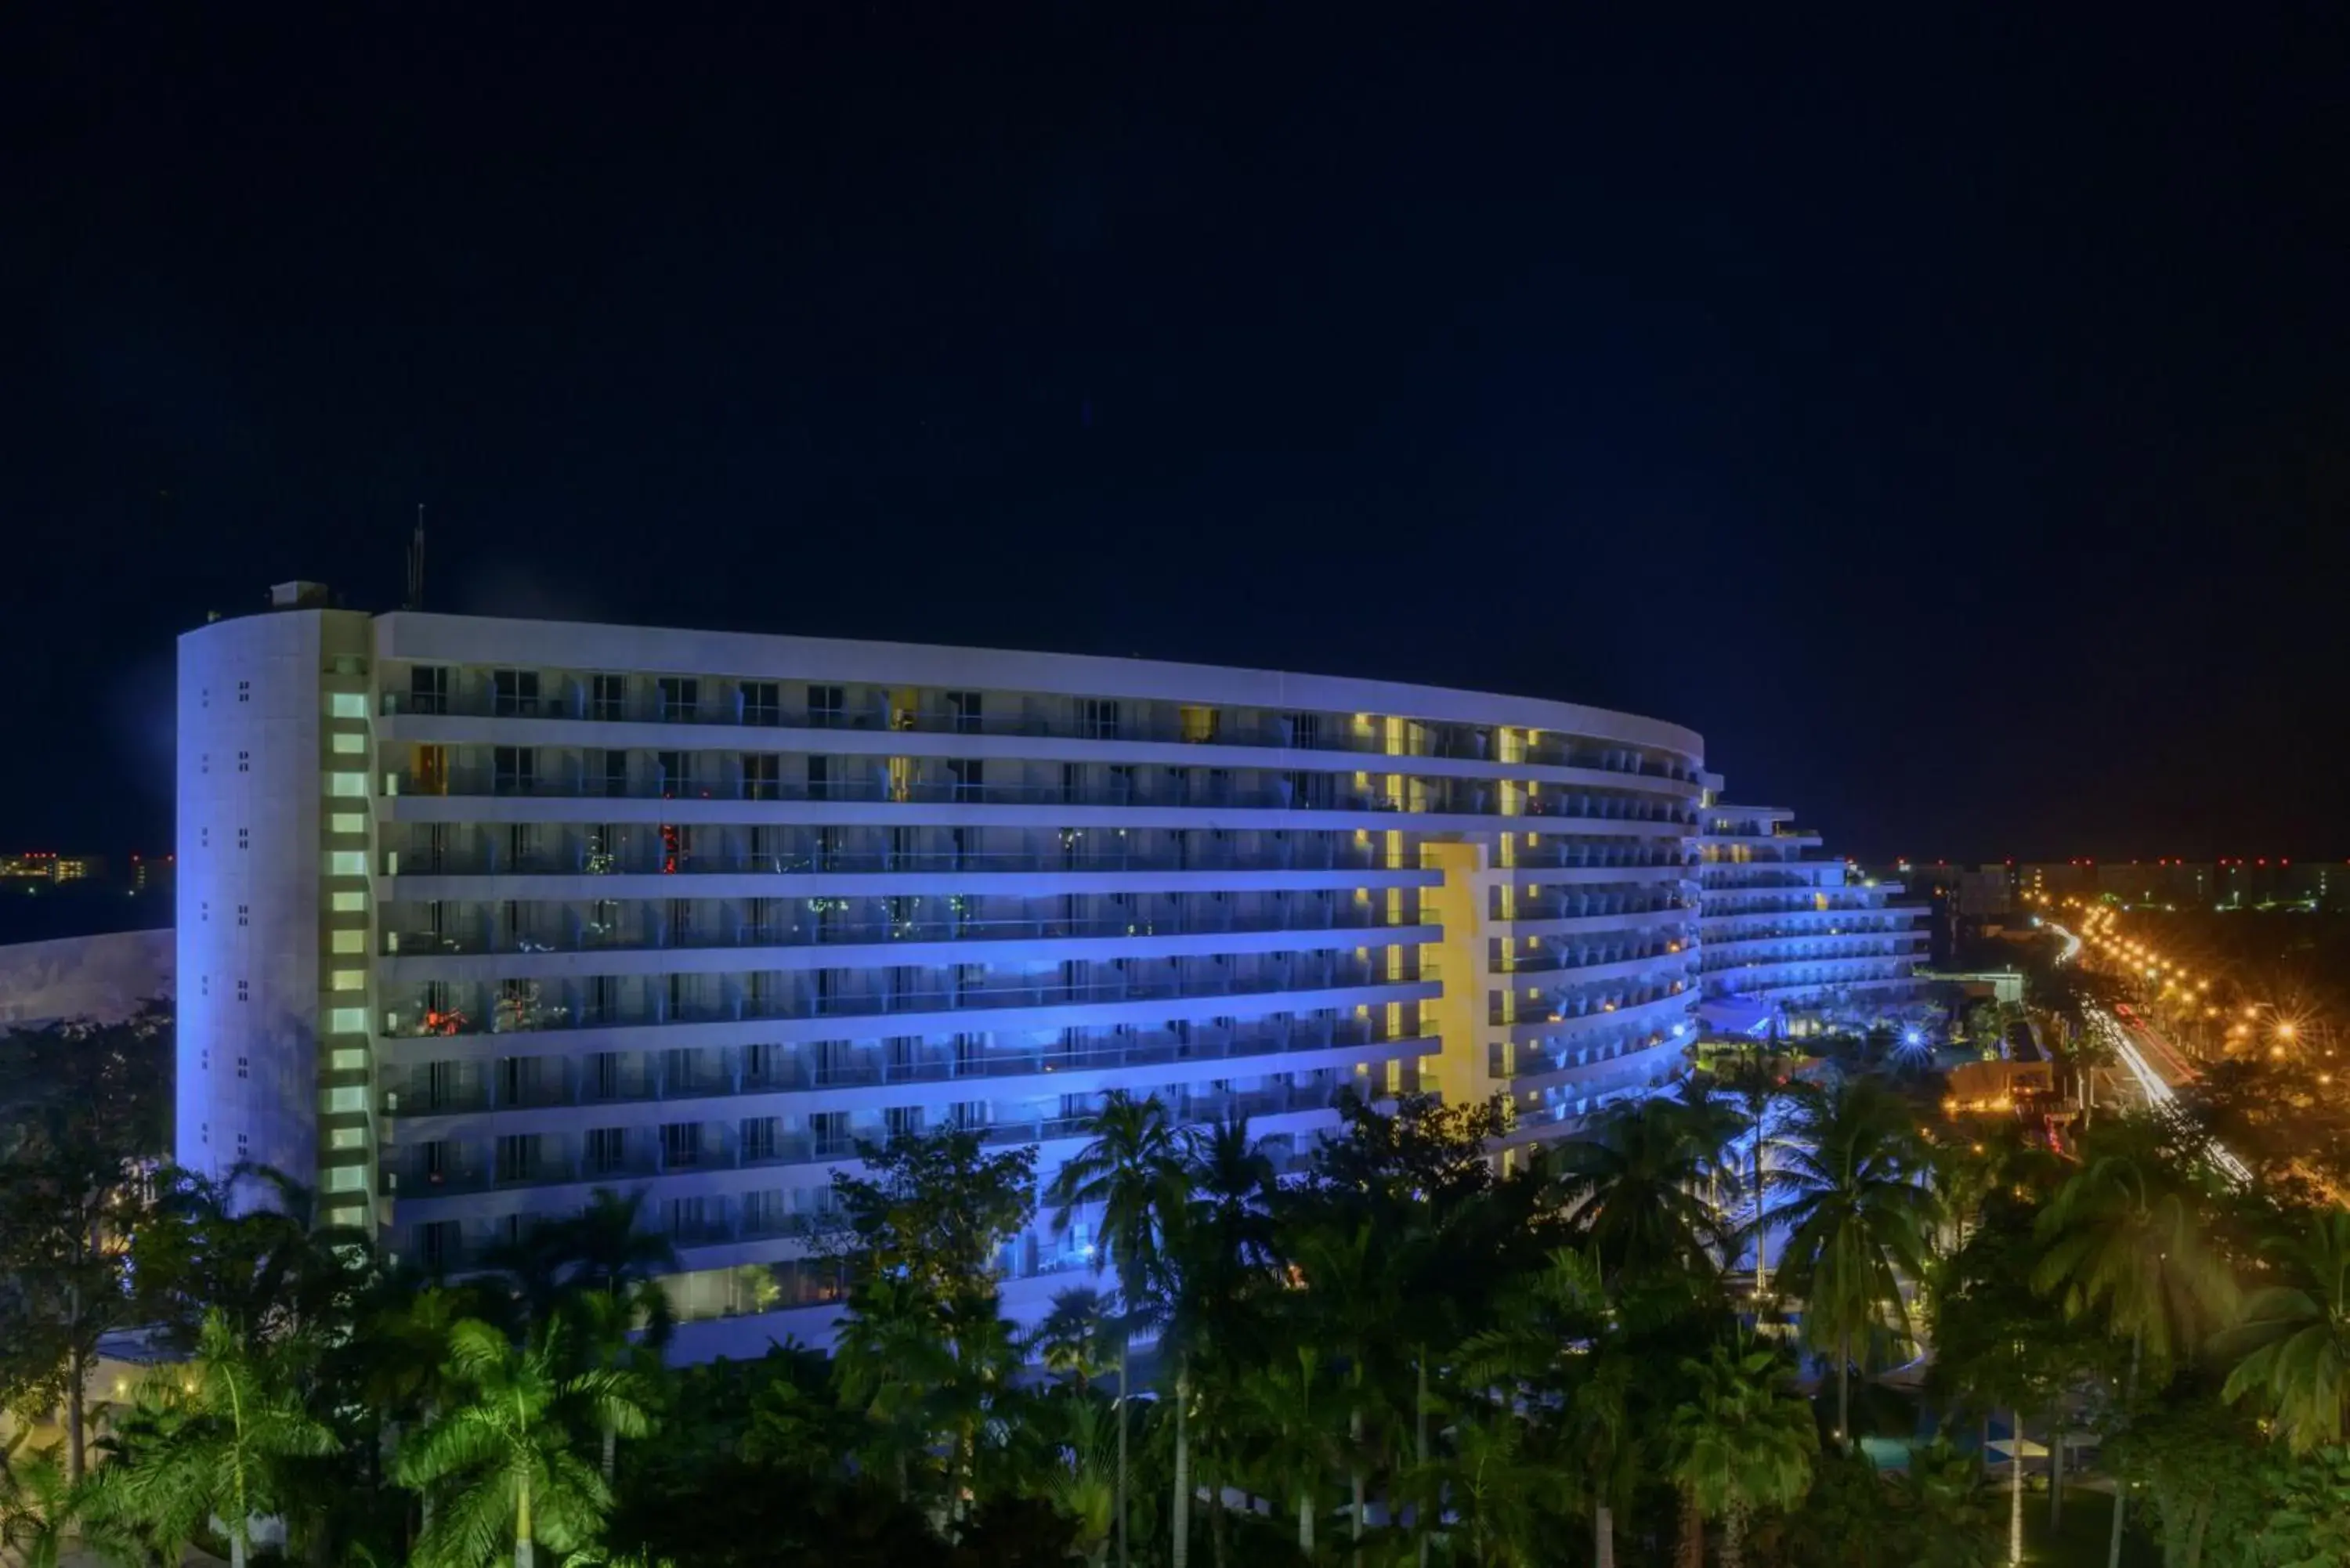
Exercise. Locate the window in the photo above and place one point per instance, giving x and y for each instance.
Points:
(347, 821)
(830, 1129)
(615, 773)
(902, 1121)
(341, 862)
(349, 903)
(608, 697)
(346, 942)
(965, 706)
(348, 745)
(244, 914)
(514, 691)
(347, 705)
(242, 1065)
(340, 1102)
(825, 707)
(245, 690)
(819, 778)
(517, 1157)
(1098, 719)
(607, 1150)
(1202, 725)
(680, 1144)
(346, 784)
(967, 774)
(676, 773)
(513, 770)
(439, 1243)
(680, 696)
(763, 702)
(761, 776)
(757, 1137)
(245, 838)
(347, 979)
(245, 760)
(428, 688)
(1306, 729)
(688, 1217)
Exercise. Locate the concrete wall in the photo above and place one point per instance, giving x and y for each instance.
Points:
(103, 978)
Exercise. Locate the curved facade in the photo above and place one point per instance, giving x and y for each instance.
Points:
(1790, 941)
(523, 909)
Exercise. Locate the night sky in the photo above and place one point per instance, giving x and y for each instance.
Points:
(1950, 421)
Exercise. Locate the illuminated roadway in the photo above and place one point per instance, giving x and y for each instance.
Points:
(2153, 1061)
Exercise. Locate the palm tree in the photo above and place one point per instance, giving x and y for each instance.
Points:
(1485, 1497)
(604, 1334)
(891, 1355)
(1296, 1422)
(1635, 1179)
(35, 1505)
(1135, 1170)
(218, 1432)
(2125, 1245)
(1761, 1088)
(2294, 1342)
(1856, 1210)
(1082, 1486)
(607, 1248)
(1219, 1263)
(507, 1466)
(1072, 1337)
(1738, 1444)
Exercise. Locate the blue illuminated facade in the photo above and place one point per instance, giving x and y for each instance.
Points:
(478, 915)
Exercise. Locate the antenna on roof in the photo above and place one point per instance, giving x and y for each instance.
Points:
(416, 564)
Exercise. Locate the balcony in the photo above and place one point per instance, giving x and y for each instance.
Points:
(415, 1093)
(1438, 797)
(814, 930)
(724, 707)
(1308, 973)
(1308, 852)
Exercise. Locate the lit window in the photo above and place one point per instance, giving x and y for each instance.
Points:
(351, 784)
(347, 1021)
(347, 1179)
(347, 705)
(339, 1101)
(347, 1138)
(349, 822)
(350, 942)
(347, 863)
(348, 980)
(350, 745)
(351, 903)
(348, 1059)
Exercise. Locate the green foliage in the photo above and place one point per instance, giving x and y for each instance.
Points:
(936, 1209)
(2294, 1342)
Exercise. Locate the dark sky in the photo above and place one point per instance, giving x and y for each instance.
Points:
(1950, 419)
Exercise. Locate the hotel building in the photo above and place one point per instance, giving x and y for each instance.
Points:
(477, 916)
(1794, 940)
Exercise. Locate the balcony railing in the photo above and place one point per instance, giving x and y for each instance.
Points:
(415, 1094)
(1469, 800)
(815, 932)
(724, 707)
(1312, 852)
(1299, 976)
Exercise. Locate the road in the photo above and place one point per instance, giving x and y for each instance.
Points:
(2152, 1062)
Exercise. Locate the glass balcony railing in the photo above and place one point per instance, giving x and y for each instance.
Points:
(1470, 800)
(814, 930)
(1308, 852)
(418, 1092)
(1315, 973)
(720, 704)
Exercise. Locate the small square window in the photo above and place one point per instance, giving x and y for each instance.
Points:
(350, 942)
(245, 914)
(243, 1068)
(244, 991)
(245, 838)
(244, 694)
(244, 761)
(348, 980)
(349, 822)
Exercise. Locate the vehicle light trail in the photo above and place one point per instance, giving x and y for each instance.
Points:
(2160, 1097)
